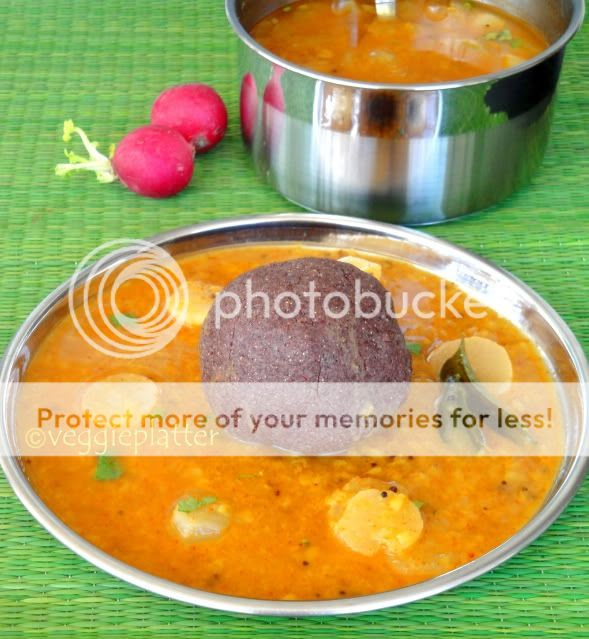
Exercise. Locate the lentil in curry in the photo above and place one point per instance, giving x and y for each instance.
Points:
(284, 526)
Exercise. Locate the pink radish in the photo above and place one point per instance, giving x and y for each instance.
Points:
(248, 107)
(151, 160)
(194, 110)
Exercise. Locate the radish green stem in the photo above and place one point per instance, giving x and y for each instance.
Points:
(95, 161)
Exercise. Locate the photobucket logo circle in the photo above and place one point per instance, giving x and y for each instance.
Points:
(99, 299)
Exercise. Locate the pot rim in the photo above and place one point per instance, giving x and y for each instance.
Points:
(551, 509)
(577, 17)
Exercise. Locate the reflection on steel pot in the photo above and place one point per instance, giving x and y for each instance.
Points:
(414, 154)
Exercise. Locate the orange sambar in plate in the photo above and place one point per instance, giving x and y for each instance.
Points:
(290, 527)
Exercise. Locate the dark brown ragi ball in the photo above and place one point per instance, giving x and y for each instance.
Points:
(270, 348)
(261, 345)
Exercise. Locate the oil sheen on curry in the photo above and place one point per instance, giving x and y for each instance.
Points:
(426, 41)
(296, 527)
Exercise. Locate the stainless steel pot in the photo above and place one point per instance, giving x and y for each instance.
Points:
(494, 287)
(410, 154)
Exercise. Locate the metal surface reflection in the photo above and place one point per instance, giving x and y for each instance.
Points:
(411, 154)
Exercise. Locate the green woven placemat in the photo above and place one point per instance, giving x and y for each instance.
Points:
(102, 61)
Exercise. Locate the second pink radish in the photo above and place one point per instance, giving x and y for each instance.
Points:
(194, 110)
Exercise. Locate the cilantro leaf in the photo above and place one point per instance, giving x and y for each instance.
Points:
(414, 348)
(108, 468)
(122, 319)
(190, 504)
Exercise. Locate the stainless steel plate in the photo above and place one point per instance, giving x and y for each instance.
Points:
(494, 287)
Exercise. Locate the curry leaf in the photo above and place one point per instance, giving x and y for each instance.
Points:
(467, 441)
(458, 368)
(463, 389)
